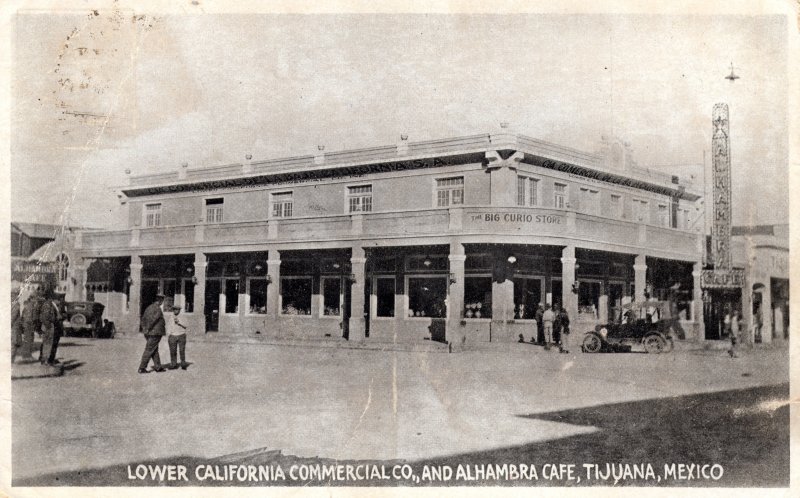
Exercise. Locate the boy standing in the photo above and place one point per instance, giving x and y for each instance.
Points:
(176, 337)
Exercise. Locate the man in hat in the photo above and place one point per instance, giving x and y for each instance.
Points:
(154, 329)
(49, 318)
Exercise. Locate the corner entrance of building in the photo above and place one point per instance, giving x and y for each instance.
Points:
(716, 304)
(213, 289)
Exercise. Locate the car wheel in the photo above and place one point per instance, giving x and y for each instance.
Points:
(654, 344)
(592, 344)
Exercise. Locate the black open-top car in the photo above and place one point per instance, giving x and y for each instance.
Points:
(646, 323)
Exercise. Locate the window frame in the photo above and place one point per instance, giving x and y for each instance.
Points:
(449, 189)
(617, 210)
(407, 290)
(217, 206)
(183, 294)
(491, 284)
(322, 280)
(374, 309)
(542, 293)
(224, 289)
(641, 206)
(348, 195)
(146, 215)
(563, 195)
(663, 222)
(273, 202)
(248, 301)
(280, 295)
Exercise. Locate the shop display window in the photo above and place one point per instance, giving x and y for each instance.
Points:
(331, 296)
(426, 297)
(384, 294)
(477, 297)
(258, 295)
(296, 296)
(527, 296)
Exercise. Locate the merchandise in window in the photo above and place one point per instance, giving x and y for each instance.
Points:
(258, 296)
(296, 296)
(477, 297)
(527, 296)
(426, 297)
(331, 296)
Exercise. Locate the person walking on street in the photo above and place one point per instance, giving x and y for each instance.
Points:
(563, 325)
(548, 317)
(49, 316)
(736, 323)
(154, 329)
(176, 336)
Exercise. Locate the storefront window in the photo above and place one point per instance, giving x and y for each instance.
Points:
(426, 296)
(188, 295)
(331, 296)
(527, 296)
(588, 298)
(477, 297)
(232, 295)
(296, 296)
(385, 296)
(258, 295)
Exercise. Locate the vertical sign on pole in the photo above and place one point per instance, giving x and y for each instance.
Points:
(721, 227)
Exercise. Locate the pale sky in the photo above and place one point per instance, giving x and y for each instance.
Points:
(209, 89)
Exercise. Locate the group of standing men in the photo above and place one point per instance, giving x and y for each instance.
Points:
(40, 314)
(552, 327)
(155, 325)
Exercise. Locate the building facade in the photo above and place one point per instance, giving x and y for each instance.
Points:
(454, 240)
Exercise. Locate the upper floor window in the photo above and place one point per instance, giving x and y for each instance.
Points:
(282, 205)
(589, 198)
(560, 195)
(616, 206)
(214, 210)
(450, 191)
(640, 210)
(359, 199)
(527, 191)
(663, 215)
(683, 214)
(152, 215)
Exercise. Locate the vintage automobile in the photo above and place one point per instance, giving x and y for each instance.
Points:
(83, 317)
(646, 323)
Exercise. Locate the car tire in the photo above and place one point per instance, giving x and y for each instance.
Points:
(654, 344)
(592, 344)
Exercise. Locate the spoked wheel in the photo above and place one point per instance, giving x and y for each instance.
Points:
(655, 344)
(592, 344)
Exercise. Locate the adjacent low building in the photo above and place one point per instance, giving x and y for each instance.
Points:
(456, 240)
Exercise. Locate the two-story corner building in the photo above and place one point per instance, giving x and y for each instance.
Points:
(469, 234)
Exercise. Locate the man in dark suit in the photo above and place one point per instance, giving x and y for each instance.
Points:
(49, 317)
(154, 329)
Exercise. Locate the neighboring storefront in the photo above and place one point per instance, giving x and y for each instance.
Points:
(453, 240)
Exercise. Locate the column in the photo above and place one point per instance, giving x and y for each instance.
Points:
(274, 288)
(455, 333)
(78, 291)
(199, 310)
(766, 312)
(135, 290)
(697, 302)
(569, 299)
(357, 325)
(640, 277)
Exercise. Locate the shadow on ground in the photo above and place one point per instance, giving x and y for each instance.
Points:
(745, 431)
